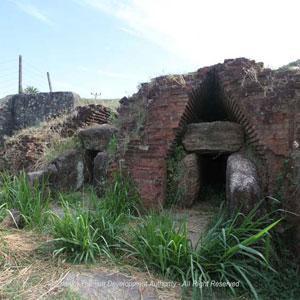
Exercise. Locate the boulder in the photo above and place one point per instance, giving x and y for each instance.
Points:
(213, 137)
(44, 175)
(100, 168)
(96, 138)
(13, 219)
(191, 180)
(72, 171)
(242, 184)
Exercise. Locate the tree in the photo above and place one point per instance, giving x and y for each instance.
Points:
(31, 90)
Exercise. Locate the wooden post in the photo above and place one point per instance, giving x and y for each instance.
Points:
(49, 82)
(20, 75)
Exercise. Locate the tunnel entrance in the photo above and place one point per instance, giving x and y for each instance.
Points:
(206, 106)
(213, 178)
(208, 103)
(213, 169)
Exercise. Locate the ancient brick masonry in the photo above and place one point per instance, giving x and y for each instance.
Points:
(23, 151)
(265, 102)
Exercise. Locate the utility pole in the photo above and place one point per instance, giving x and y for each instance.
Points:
(49, 82)
(96, 95)
(20, 75)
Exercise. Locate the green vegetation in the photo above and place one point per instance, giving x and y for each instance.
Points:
(32, 202)
(58, 146)
(238, 249)
(175, 176)
(75, 235)
(112, 147)
(160, 243)
(31, 90)
(232, 250)
(86, 232)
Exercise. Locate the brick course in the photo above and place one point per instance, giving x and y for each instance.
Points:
(264, 102)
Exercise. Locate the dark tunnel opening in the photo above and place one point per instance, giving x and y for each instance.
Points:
(213, 177)
(209, 101)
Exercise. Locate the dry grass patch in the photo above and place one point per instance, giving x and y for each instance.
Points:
(24, 272)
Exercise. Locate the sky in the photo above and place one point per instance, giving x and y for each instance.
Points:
(111, 46)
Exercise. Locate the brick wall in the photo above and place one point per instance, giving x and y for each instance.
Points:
(264, 102)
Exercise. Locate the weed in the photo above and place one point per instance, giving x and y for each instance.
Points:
(74, 235)
(33, 202)
(175, 190)
(85, 232)
(121, 196)
(161, 243)
(112, 147)
(59, 146)
(233, 250)
(3, 209)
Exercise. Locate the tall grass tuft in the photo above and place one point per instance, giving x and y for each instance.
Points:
(32, 201)
(120, 196)
(232, 250)
(74, 235)
(160, 243)
(84, 232)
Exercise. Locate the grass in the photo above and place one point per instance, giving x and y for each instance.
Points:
(58, 146)
(75, 236)
(236, 249)
(232, 250)
(32, 202)
(26, 274)
(84, 233)
(160, 243)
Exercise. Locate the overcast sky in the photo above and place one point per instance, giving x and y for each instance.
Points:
(110, 46)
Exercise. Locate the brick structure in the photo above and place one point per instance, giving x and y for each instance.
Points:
(265, 102)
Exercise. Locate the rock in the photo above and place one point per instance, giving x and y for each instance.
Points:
(13, 219)
(191, 180)
(213, 137)
(44, 175)
(96, 138)
(21, 111)
(100, 168)
(72, 172)
(98, 284)
(242, 184)
(123, 100)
